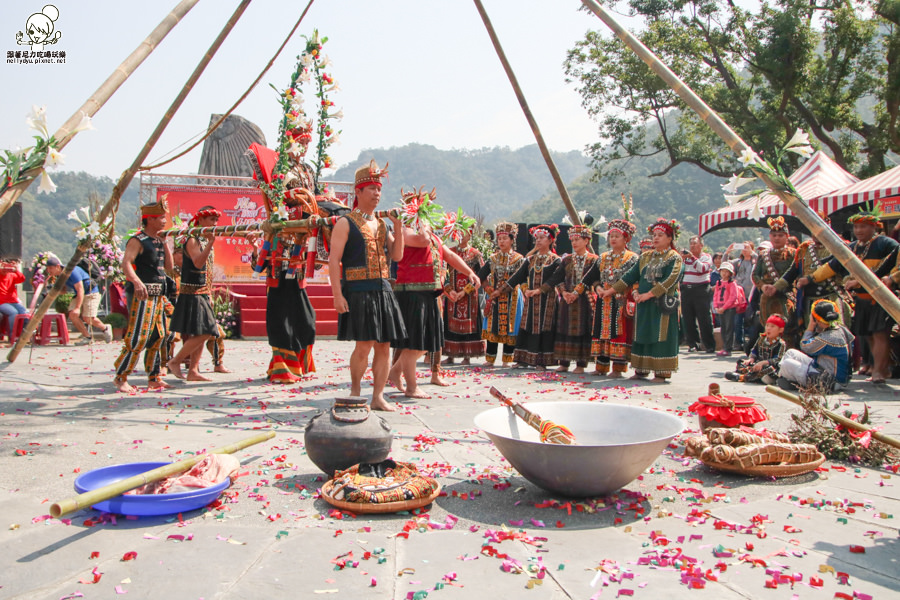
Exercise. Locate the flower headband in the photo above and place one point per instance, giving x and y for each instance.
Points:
(202, 214)
(777, 224)
(549, 231)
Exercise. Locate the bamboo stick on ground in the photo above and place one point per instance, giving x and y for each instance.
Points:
(120, 487)
(807, 216)
(849, 423)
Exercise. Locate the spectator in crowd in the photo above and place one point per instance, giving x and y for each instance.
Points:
(10, 276)
(695, 298)
(743, 276)
(84, 305)
(728, 297)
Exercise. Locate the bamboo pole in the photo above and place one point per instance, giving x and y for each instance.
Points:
(118, 488)
(849, 423)
(113, 202)
(545, 152)
(296, 226)
(93, 104)
(807, 216)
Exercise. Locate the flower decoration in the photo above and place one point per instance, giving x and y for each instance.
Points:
(296, 129)
(39, 267)
(455, 226)
(226, 313)
(100, 243)
(416, 207)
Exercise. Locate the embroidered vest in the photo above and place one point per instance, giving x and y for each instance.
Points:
(420, 268)
(365, 265)
(149, 265)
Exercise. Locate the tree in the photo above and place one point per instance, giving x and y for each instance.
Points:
(829, 67)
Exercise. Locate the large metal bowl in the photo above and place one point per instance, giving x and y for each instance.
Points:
(615, 444)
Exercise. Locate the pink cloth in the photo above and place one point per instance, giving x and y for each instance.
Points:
(726, 295)
(213, 469)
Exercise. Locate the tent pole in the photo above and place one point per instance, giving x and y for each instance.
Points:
(64, 134)
(545, 152)
(113, 203)
(819, 229)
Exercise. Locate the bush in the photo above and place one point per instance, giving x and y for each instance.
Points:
(61, 304)
(117, 320)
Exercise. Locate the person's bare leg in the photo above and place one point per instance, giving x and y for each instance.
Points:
(122, 386)
(191, 343)
(194, 370)
(408, 365)
(359, 360)
(78, 323)
(379, 376)
(436, 363)
(881, 356)
(395, 373)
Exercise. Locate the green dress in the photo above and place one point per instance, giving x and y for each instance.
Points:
(655, 346)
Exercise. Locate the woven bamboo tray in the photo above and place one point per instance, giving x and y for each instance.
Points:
(779, 470)
(387, 507)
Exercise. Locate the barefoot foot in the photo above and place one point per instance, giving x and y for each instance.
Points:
(438, 381)
(196, 376)
(175, 369)
(222, 369)
(123, 387)
(382, 405)
(578, 370)
(417, 394)
(158, 385)
(561, 369)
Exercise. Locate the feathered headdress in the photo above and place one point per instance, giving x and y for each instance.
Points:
(625, 225)
(777, 224)
(455, 226)
(872, 215)
(416, 206)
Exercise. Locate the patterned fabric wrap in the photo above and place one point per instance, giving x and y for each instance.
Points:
(613, 329)
(573, 328)
(381, 483)
(462, 319)
(763, 350)
(500, 322)
(537, 333)
(146, 333)
(287, 366)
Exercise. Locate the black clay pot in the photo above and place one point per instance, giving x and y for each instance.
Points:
(346, 435)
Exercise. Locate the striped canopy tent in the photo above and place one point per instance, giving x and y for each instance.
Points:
(882, 189)
(819, 175)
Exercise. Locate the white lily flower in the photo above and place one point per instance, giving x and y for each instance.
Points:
(601, 220)
(804, 151)
(46, 185)
(756, 213)
(338, 115)
(304, 77)
(733, 199)
(73, 216)
(325, 61)
(87, 212)
(602, 234)
(81, 234)
(54, 158)
(295, 148)
(84, 125)
(37, 120)
(748, 157)
(735, 182)
(801, 138)
(306, 59)
(282, 212)
(297, 104)
(94, 229)
(333, 88)
(334, 139)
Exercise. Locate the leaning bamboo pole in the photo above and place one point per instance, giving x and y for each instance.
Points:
(807, 216)
(118, 488)
(295, 226)
(93, 104)
(545, 151)
(113, 202)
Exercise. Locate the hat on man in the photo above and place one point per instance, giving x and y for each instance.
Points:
(154, 210)
(777, 224)
(369, 175)
(53, 262)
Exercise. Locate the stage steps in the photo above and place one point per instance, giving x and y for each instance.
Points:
(251, 299)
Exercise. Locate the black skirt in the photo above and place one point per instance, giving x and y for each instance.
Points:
(194, 315)
(373, 316)
(869, 317)
(290, 317)
(422, 317)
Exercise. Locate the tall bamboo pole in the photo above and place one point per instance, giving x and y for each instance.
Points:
(807, 216)
(126, 178)
(64, 134)
(545, 152)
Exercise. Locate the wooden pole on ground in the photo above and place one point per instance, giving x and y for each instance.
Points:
(64, 134)
(113, 202)
(545, 152)
(807, 216)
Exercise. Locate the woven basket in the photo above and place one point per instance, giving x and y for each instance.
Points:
(780, 470)
(388, 507)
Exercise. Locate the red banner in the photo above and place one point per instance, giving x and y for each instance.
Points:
(239, 206)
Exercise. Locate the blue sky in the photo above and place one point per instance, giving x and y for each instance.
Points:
(410, 71)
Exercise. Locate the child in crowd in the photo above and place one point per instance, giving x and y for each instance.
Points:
(765, 358)
(726, 298)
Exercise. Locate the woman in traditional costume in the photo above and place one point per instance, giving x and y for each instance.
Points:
(657, 273)
(462, 311)
(575, 311)
(502, 309)
(537, 332)
(613, 329)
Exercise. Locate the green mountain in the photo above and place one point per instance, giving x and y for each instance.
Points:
(491, 182)
(45, 222)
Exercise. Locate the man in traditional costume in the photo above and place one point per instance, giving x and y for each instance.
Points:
(144, 264)
(502, 308)
(367, 308)
(870, 321)
(418, 287)
(811, 255)
(613, 329)
(462, 311)
(771, 266)
(657, 273)
(574, 314)
(537, 331)
(193, 317)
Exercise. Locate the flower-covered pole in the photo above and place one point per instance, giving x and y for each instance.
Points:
(80, 119)
(776, 182)
(113, 202)
(545, 152)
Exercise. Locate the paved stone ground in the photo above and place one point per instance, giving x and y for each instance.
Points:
(680, 530)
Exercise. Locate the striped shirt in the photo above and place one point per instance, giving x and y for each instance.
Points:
(697, 270)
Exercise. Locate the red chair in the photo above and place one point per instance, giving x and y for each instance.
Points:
(44, 334)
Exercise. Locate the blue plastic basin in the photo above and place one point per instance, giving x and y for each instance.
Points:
(149, 504)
